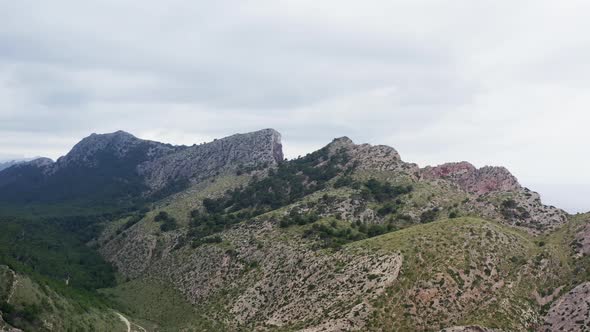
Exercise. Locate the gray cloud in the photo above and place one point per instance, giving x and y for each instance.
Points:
(503, 82)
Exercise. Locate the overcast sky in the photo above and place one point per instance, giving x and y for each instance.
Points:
(491, 82)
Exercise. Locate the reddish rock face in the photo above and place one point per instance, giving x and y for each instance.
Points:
(467, 177)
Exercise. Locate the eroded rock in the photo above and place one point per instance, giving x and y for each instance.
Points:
(571, 312)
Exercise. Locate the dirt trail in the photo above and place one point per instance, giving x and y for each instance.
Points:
(12, 287)
(131, 327)
(125, 320)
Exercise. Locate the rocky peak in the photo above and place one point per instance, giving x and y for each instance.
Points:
(372, 157)
(121, 167)
(449, 170)
(469, 178)
(520, 207)
(119, 144)
(40, 162)
(341, 142)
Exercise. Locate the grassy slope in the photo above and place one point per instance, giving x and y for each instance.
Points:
(447, 263)
(179, 205)
(451, 249)
(456, 250)
(575, 270)
(156, 306)
(153, 304)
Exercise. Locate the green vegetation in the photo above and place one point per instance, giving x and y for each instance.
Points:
(383, 191)
(78, 184)
(168, 222)
(34, 305)
(134, 219)
(159, 307)
(429, 215)
(346, 181)
(333, 233)
(296, 218)
(457, 259)
(221, 213)
(511, 211)
(50, 248)
(29, 313)
(205, 224)
(64, 272)
(290, 181)
(204, 240)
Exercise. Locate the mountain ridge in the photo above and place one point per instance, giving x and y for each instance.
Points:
(119, 166)
(348, 237)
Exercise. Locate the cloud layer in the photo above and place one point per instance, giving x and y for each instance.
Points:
(501, 82)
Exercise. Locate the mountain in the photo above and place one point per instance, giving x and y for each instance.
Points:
(229, 236)
(119, 169)
(9, 163)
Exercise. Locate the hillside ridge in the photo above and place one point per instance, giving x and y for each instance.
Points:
(233, 237)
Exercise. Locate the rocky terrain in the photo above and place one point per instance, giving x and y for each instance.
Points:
(488, 184)
(290, 260)
(571, 312)
(469, 178)
(199, 162)
(231, 237)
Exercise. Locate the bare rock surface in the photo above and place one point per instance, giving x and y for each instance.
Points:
(202, 161)
(571, 312)
(162, 164)
(119, 144)
(131, 257)
(469, 178)
(272, 280)
(373, 157)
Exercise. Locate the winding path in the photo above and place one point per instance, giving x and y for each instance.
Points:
(13, 286)
(125, 320)
(129, 324)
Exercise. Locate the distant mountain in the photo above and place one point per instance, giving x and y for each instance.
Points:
(12, 162)
(121, 169)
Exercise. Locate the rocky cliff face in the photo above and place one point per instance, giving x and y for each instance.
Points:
(469, 178)
(199, 162)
